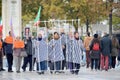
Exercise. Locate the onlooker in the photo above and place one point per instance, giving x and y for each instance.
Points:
(115, 49)
(106, 48)
(1, 54)
(9, 51)
(28, 59)
(34, 51)
(18, 45)
(95, 52)
(87, 42)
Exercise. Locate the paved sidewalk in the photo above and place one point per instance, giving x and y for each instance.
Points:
(84, 74)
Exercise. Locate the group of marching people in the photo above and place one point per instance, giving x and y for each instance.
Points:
(60, 52)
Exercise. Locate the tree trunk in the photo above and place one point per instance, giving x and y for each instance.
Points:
(87, 25)
(110, 23)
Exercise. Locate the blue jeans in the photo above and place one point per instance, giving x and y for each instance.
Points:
(55, 65)
(42, 66)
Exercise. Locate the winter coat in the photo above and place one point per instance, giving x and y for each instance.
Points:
(106, 45)
(28, 47)
(115, 49)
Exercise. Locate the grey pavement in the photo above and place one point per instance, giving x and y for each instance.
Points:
(84, 74)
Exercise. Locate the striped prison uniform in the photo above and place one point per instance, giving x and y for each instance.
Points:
(55, 54)
(41, 55)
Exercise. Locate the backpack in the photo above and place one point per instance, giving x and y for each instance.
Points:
(96, 46)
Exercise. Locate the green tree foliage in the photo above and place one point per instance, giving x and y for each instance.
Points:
(93, 10)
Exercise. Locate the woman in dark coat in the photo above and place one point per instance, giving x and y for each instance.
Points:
(28, 59)
(115, 50)
(95, 53)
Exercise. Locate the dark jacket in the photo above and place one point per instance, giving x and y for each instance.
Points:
(95, 54)
(106, 45)
(8, 48)
(115, 49)
(28, 47)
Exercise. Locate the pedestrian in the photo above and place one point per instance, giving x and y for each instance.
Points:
(115, 50)
(1, 54)
(78, 48)
(17, 47)
(95, 52)
(28, 59)
(56, 54)
(9, 51)
(106, 47)
(87, 41)
(41, 55)
(118, 58)
(34, 51)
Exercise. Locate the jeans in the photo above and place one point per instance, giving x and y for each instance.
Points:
(113, 61)
(42, 66)
(9, 61)
(27, 60)
(104, 62)
(88, 58)
(96, 63)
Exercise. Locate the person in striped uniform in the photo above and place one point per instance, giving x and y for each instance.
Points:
(41, 55)
(77, 50)
(56, 53)
(69, 50)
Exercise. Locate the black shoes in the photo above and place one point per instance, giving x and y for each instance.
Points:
(23, 69)
(2, 69)
(18, 71)
(74, 72)
(10, 71)
(40, 73)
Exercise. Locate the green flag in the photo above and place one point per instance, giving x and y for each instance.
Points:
(37, 19)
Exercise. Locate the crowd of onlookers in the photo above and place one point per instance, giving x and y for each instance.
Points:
(62, 51)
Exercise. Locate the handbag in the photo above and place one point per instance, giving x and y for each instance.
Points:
(23, 53)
